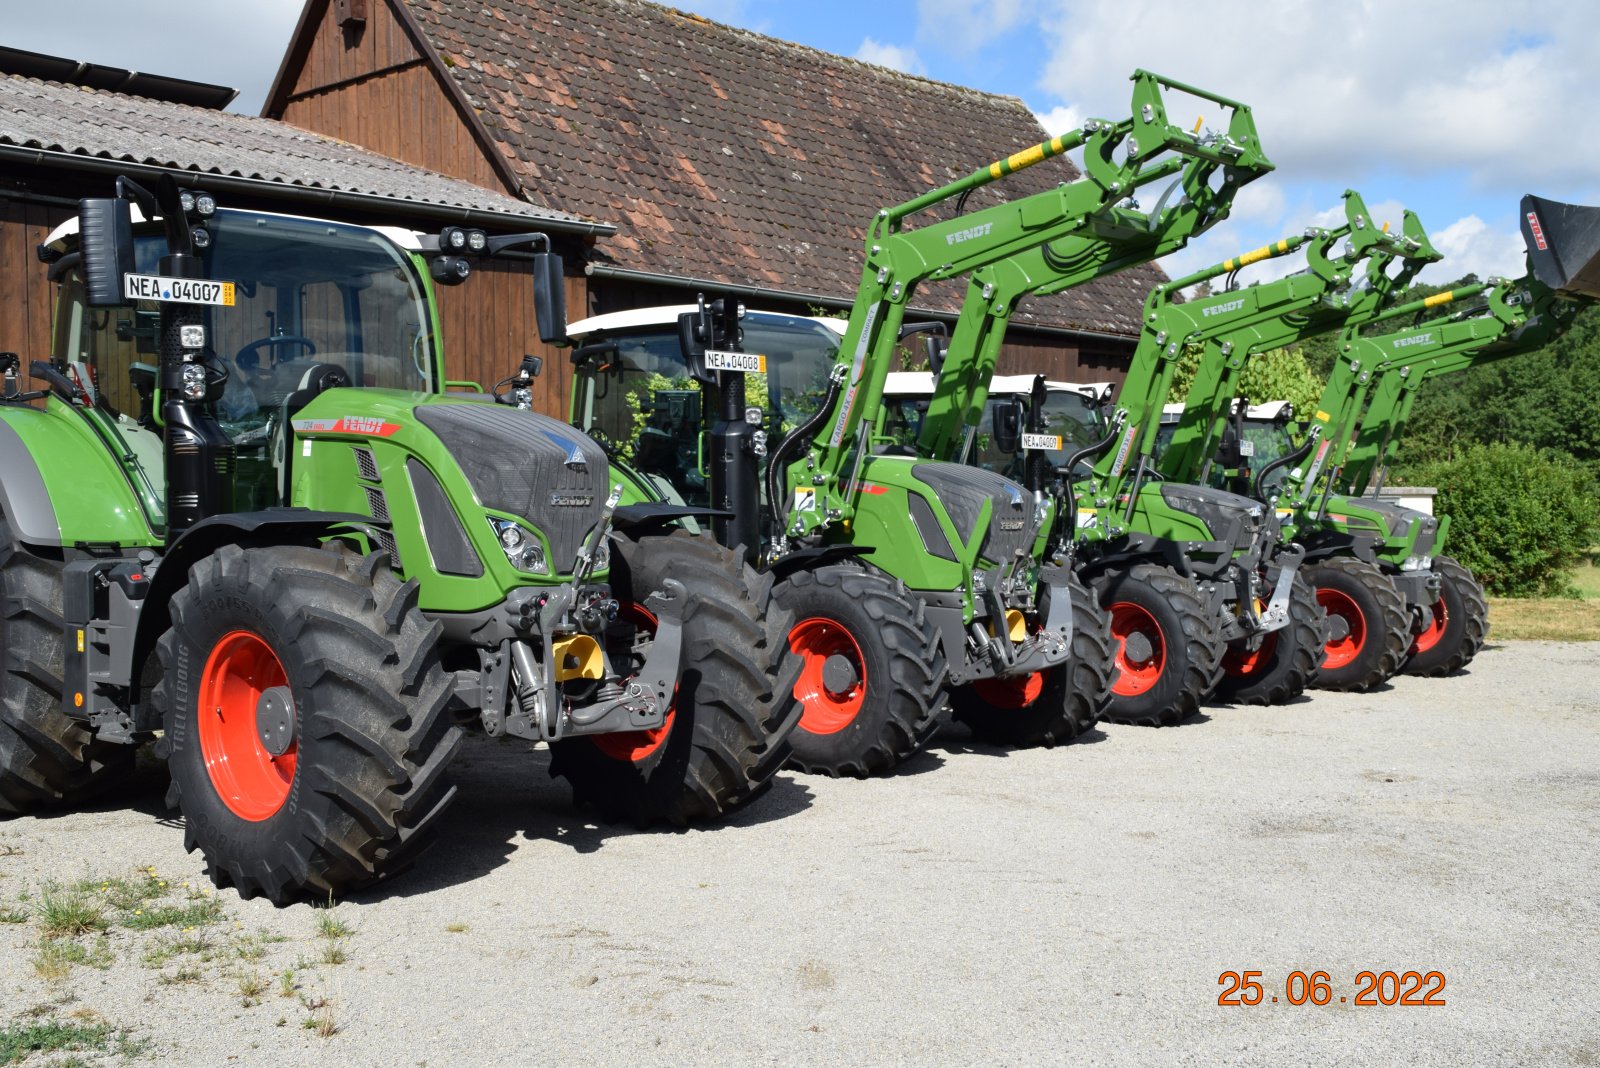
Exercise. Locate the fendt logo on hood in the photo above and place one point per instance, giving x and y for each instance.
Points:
(968, 234)
(1407, 342)
(571, 500)
(1224, 309)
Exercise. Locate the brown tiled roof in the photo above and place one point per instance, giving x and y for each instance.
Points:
(725, 155)
(93, 123)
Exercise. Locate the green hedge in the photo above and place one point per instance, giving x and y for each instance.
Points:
(1519, 518)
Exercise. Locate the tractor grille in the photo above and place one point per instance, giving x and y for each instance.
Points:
(377, 504)
(962, 490)
(366, 464)
(527, 465)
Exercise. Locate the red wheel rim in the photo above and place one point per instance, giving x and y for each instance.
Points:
(1338, 652)
(1435, 631)
(1135, 677)
(252, 783)
(823, 710)
(1243, 663)
(634, 746)
(1018, 692)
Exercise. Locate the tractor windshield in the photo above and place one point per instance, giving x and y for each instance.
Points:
(647, 411)
(1068, 414)
(308, 294)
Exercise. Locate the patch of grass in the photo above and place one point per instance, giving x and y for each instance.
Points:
(158, 955)
(186, 974)
(65, 913)
(456, 928)
(333, 954)
(13, 915)
(251, 987)
(1551, 618)
(330, 927)
(195, 914)
(58, 956)
(125, 893)
(20, 1040)
(322, 1023)
(286, 983)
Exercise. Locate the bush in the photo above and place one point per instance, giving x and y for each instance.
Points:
(1519, 518)
(1278, 374)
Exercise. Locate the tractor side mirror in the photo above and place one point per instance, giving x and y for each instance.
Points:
(692, 345)
(1008, 426)
(936, 349)
(550, 297)
(105, 236)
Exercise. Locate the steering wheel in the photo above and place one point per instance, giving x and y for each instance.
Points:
(275, 341)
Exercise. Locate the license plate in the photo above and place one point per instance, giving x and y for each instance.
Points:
(717, 360)
(177, 290)
(1041, 442)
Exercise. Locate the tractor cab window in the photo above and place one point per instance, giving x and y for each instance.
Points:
(647, 411)
(1069, 415)
(307, 295)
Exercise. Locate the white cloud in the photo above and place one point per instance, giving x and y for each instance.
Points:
(965, 26)
(1342, 88)
(1059, 120)
(1470, 244)
(895, 57)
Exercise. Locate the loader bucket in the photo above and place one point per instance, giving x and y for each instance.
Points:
(1563, 245)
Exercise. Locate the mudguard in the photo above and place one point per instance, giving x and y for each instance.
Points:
(79, 495)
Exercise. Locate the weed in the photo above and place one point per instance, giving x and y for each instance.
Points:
(333, 954)
(328, 927)
(286, 983)
(186, 974)
(11, 915)
(124, 894)
(322, 1023)
(19, 1040)
(57, 957)
(64, 913)
(158, 955)
(251, 987)
(9, 850)
(196, 914)
(456, 928)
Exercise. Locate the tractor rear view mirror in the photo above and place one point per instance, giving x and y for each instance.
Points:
(1008, 426)
(1563, 245)
(105, 237)
(550, 297)
(693, 346)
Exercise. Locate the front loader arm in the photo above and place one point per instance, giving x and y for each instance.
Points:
(898, 260)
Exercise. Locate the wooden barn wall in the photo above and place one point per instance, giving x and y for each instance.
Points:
(488, 325)
(25, 312)
(336, 55)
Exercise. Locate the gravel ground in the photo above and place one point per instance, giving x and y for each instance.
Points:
(981, 906)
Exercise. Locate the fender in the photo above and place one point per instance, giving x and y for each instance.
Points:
(812, 558)
(80, 498)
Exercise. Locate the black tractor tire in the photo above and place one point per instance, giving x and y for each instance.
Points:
(1283, 665)
(871, 689)
(371, 738)
(1361, 598)
(47, 759)
(1051, 707)
(730, 720)
(1184, 663)
(1461, 624)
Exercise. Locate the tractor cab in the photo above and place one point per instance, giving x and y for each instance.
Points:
(304, 305)
(634, 392)
(1262, 437)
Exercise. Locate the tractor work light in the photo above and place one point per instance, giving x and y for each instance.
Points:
(449, 270)
(194, 381)
(205, 205)
(186, 202)
(461, 239)
(477, 240)
(201, 237)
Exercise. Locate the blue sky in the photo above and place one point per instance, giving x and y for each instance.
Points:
(1452, 109)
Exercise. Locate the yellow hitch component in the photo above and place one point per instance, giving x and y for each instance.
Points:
(1439, 298)
(1198, 119)
(1386, 226)
(1016, 625)
(579, 657)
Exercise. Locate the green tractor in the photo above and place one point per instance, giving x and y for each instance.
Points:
(245, 522)
(914, 582)
(1394, 601)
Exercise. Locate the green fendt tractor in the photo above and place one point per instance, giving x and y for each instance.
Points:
(915, 581)
(282, 552)
(1394, 602)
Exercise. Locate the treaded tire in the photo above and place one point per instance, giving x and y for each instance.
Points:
(728, 734)
(1361, 593)
(1466, 626)
(1069, 695)
(897, 700)
(369, 696)
(1191, 649)
(1286, 661)
(47, 759)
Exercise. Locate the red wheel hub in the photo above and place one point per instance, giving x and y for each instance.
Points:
(251, 781)
(1340, 651)
(1242, 662)
(1434, 632)
(1141, 650)
(833, 675)
(634, 746)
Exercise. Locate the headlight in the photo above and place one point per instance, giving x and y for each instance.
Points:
(523, 550)
(602, 555)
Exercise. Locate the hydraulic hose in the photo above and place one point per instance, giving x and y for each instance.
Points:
(1283, 461)
(778, 462)
(1082, 454)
